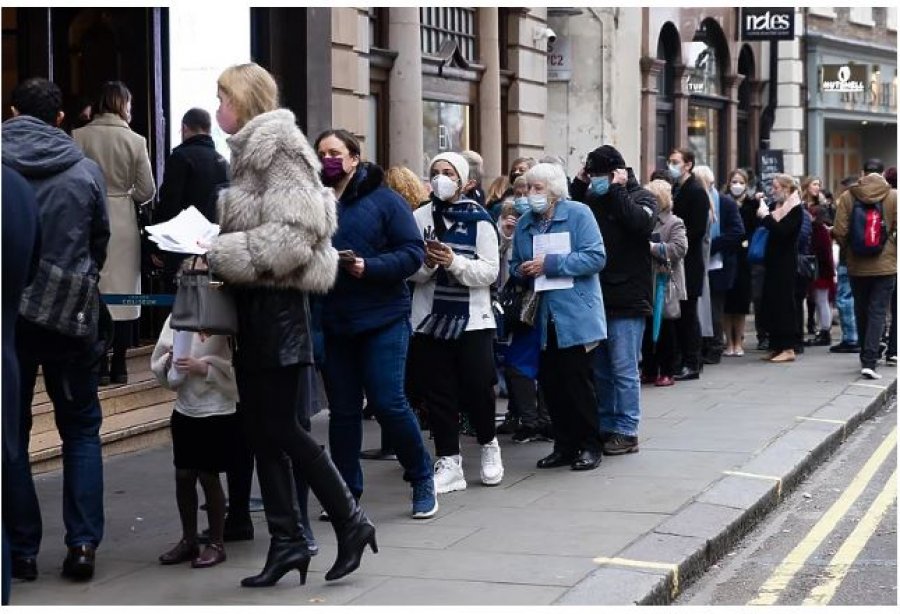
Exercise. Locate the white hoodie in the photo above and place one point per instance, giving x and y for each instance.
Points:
(198, 396)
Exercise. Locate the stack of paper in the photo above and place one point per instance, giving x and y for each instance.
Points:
(183, 233)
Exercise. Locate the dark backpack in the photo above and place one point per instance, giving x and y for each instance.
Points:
(868, 230)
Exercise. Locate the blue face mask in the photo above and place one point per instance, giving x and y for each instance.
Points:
(538, 203)
(600, 185)
(521, 205)
(675, 171)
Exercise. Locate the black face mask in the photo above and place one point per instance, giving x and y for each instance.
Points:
(513, 176)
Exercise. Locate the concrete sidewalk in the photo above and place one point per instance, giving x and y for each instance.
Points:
(716, 454)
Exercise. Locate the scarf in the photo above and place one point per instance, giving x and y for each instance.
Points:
(449, 315)
(715, 230)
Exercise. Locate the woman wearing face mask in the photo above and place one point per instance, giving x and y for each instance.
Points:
(779, 301)
(275, 247)
(365, 318)
(737, 299)
(454, 322)
(571, 321)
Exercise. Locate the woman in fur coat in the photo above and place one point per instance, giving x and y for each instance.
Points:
(277, 220)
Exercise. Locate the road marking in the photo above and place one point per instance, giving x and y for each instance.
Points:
(602, 560)
(843, 560)
(861, 384)
(757, 476)
(788, 568)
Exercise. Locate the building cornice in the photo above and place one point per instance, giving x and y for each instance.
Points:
(819, 40)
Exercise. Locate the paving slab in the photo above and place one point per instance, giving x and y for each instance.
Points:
(716, 455)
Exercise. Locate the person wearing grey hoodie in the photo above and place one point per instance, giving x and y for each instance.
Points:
(59, 328)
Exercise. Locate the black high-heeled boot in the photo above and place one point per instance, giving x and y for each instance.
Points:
(287, 548)
(353, 529)
(283, 556)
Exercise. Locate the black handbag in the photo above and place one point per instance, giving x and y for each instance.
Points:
(807, 266)
(203, 304)
(62, 301)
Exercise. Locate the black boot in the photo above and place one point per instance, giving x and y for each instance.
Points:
(287, 548)
(303, 504)
(104, 371)
(284, 555)
(353, 530)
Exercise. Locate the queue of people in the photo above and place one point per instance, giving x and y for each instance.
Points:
(389, 290)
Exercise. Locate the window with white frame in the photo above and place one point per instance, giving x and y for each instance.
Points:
(891, 18)
(823, 11)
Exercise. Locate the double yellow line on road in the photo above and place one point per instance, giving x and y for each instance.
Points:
(776, 583)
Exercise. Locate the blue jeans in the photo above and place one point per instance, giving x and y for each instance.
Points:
(616, 376)
(373, 362)
(72, 388)
(844, 302)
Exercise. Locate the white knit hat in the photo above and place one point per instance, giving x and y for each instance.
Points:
(456, 161)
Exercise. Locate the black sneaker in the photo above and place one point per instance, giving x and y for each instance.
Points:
(620, 444)
(845, 348)
(763, 345)
(526, 434)
(509, 426)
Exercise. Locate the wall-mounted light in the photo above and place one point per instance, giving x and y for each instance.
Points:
(542, 32)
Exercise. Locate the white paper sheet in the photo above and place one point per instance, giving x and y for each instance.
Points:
(552, 243)
(181, 344)
(716, 262)
(181, 234)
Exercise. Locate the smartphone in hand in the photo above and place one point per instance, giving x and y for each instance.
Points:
(346, 257)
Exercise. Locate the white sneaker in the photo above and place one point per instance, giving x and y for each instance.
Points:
(491, 463)
(448, 474)
(870, 373)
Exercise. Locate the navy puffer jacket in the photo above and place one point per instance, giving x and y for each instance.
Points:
(378, 225)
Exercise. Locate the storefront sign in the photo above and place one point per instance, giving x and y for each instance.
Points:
(559, 60)
(843, 77)
(767, 24)
(769, 164)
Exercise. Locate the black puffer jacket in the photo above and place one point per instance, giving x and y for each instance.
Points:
(626, 216)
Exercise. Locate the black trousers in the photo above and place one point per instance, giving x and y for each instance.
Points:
(566, 377)
(871, 302)
(688, 334)
(659, 358)
(457, 374)
(524, 393)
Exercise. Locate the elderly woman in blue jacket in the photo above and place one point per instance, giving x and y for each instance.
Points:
(571, 318)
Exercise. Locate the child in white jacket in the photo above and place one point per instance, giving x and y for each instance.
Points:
(204, 428)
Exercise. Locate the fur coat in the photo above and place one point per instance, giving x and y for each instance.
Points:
(276, 217)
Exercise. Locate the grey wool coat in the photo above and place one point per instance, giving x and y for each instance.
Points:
(123, 157)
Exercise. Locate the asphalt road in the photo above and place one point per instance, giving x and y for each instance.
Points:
(822, 546)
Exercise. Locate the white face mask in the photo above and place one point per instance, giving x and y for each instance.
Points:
(443, 187)
(738, 189)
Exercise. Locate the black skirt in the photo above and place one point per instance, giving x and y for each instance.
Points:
(204, 444)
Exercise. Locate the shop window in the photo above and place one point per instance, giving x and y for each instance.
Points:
(378, 24)
(447, 127)
(704, 135)
(862, 15)
(842, 158)
(440, 24)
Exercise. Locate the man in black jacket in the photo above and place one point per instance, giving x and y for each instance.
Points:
(625, 213)
(691, 204)
(74, 231)
(195, 172)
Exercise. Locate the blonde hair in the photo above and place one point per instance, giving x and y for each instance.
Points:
(708, 179)
(407, 184)
(250, 89)
(497, 189)
(662, 191)
(787, 182)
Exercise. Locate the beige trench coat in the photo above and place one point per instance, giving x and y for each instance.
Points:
(122, 154)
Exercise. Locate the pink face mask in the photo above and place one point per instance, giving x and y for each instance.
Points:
(332, 171)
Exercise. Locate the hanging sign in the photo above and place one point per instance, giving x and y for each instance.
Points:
(767, 24)
(843, 77)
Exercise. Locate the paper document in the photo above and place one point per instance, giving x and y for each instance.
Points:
(181, 234)
(716, 262)
(181, 344)
(552, 243)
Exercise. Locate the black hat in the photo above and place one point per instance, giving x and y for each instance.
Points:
(873, 165)
(604, 159)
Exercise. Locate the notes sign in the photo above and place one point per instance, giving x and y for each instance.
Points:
(771, 163)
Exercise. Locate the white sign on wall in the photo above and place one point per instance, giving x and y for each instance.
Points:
(559, 60)
(203, 43)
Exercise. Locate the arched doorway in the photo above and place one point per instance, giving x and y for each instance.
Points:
(747, 68)
(668, 49)
(708, 61)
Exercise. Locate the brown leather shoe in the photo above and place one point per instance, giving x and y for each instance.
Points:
(211, 556)
(183, 551)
